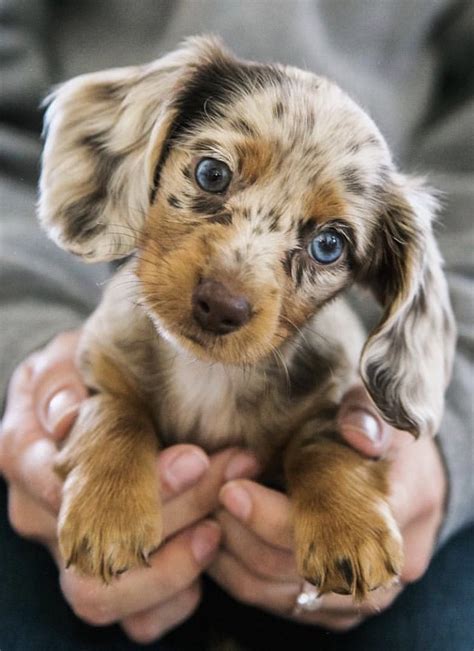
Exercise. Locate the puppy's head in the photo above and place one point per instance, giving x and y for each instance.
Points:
(253, 195)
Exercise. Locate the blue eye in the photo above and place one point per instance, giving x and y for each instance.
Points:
(327, 247)
(212, 175)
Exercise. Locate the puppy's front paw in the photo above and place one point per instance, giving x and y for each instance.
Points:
(348, 553)
(103, 533)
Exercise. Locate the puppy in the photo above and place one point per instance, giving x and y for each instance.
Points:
(246, 199)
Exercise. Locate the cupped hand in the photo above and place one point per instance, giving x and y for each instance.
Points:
(43, 400)
(256, 562)
(149, 601)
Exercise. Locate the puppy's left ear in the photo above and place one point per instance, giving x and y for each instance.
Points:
(406, 362)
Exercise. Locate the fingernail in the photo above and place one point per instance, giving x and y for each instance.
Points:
(363, 422)
(241, 465)
(236, 500)
(186, 469)
(205, 541)
(60, 407)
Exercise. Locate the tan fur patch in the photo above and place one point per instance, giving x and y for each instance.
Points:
(326, 202)
(109, 467)
(345, 537)
(257, 159)
(169, 269)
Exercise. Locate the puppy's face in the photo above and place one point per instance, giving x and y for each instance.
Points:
(251, 195)
(265, 208)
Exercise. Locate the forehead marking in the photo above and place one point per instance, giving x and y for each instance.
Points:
(278, 110)
(216, 85)
(352, 180)
(243, 127)
(257, 158)
(325, 202)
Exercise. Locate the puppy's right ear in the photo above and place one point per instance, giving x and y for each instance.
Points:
(104, 135)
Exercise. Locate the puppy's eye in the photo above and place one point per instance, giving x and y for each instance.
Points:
(212, 175)
(327, 246)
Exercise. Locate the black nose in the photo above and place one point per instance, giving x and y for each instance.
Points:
(217, 310)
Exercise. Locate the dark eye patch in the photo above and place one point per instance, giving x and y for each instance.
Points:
(207, 204)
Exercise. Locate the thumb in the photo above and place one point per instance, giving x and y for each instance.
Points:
(59, 405)
(59, 388)
(361, 426)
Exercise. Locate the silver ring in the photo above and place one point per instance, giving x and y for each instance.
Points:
(308, 600)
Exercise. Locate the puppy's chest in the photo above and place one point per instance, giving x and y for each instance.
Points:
(216, 406)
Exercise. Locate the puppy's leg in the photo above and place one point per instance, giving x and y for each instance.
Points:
(346, 538)
(110, 516)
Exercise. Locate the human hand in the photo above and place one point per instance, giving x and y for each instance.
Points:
(256, 563)
(43, 400)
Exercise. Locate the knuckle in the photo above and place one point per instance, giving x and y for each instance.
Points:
(7, 459)
(176, 579)
(60, 339)
(23, 371)
(202, 499)
(341, 625)
(147, 627)
(414, 570)
(433, 504)
(16, 516)
(51, 494)
(86, 600)
(95, 614)
(246, 592)
(191, 598)
(141, 631)
(269, 564)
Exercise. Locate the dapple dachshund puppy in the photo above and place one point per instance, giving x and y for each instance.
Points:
(247, 198)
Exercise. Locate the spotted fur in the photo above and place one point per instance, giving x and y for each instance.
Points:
(119, 178)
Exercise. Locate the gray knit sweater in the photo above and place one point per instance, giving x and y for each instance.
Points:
(408, 62)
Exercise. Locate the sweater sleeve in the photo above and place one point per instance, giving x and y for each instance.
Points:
(444, 146)
(42, 290)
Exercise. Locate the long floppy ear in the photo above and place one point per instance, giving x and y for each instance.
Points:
(104, 134)
(406, 362)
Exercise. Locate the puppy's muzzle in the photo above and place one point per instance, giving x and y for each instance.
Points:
(216, 309)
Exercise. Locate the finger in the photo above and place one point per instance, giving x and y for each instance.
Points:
(417, 470)
(40, 377)
(339, 613)
(60, 350)
(20, 379)
(243, 585)
(419, 539)
(18, 404)
(58, 400)
(173, 568)
(179, 468)
(260, 558)
(202, 499)
(264, 511)
(34, 471)
(334, 623)
(280, 596)
(28, 518)
(27, 459)
(361, 425)
(56, 383)
(364, 429)
(149, 625)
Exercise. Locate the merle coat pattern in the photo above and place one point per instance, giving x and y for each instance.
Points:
(120, 179)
